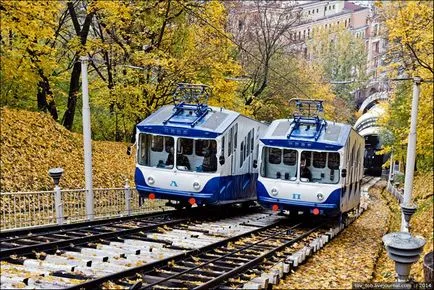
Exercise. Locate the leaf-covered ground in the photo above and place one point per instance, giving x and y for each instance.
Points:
(349, 257)
(31, 143)
(421, 225)
(357, 254)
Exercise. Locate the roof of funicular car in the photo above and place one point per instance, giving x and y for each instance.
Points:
(332, 137)
(214, 123)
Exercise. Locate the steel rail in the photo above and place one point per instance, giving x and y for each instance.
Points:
(86, 232)
(23, 250)
(8, 235)
(213, 260)
(217, 281)
(96, 283)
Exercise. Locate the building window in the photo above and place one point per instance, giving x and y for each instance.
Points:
(240, 24)
(317, 11)
(325, 8)
(333, 6)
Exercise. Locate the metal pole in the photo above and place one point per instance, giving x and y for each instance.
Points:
(127, 198)
(59, 205)
(87, 141)
(411, 150)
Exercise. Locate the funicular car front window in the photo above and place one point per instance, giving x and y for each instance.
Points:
(279, 163)
(156, 151)
(322, 168)
(198, 155)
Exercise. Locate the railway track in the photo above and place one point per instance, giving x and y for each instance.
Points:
(62, 258)
(159, 251)
(212, 268)
(29, 240)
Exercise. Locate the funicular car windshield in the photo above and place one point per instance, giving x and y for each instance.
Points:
(315, 167)
(198, 155)
(279, 163)
(156, 151)
(319, 167)
(191, 154)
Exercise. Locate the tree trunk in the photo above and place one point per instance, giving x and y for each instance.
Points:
(44, 91)
(74, 86)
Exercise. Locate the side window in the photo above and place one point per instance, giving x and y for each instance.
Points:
(223, 146)
(236, 137)
(353, 156)
(169, 142)
(245, 148)
(252, 142)
(242, 154)
(275, 156)
(319, 159)
(257, 150)
(230, 141)
(157, 143)
(289, 157)
(248, 143)
(333, 162)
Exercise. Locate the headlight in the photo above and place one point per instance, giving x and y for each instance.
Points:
(320, 196)
(196, 185)
(151, 180)
(274, 191)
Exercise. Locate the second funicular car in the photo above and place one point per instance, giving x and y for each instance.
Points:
(309, 165)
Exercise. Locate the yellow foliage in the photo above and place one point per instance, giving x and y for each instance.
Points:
(179, 48)
(26, 28)
(32, 143)
(409, 27)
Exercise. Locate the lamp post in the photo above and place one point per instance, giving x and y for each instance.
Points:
(408, 209)
(56, 174)
(87, 140)
(402, 247)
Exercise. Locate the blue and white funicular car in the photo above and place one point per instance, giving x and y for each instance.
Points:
(191, 153)
(310, 165)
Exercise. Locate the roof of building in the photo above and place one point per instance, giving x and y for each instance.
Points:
(353, 7)
(188, 120)
(327, 136)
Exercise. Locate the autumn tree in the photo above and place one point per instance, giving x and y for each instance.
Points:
(409, 31)
(138, 52)
(144, 49)
(262, 31)
(342, 57)
(310, 83)
(28, 35)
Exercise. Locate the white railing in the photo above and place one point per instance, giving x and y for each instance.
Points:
(26, 209)
(397, 193)
(393, 185)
